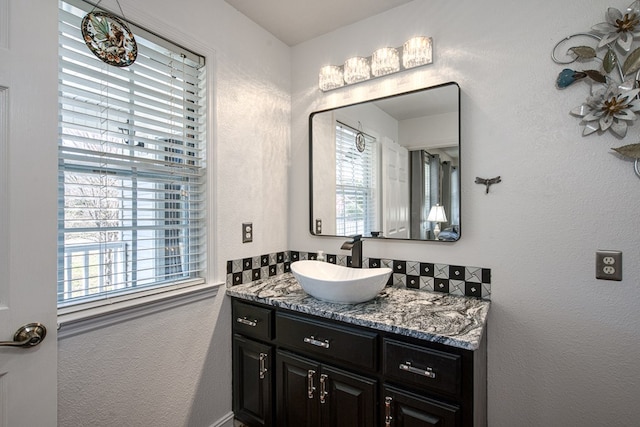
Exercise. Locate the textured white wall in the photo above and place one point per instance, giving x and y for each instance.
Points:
(252, 114)
(562, 347)
(174, 368)
(167, 368)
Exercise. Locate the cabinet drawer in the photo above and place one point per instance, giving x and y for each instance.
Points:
(327, 341)
(402, 408)
(252, 321)
(422, 367)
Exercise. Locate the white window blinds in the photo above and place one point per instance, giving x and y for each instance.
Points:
(131, 166)
(357, 179)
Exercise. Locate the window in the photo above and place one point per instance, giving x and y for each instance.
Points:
(131, 167)
(356, 183)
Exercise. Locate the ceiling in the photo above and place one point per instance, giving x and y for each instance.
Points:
(296, 21)
(436, 100)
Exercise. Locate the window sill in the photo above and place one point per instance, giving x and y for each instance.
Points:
(78, 320)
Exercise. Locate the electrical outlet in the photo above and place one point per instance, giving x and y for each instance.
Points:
(609, 265)
(318, 226)
(247, 232)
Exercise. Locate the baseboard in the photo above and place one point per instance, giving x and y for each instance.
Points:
(226, 421)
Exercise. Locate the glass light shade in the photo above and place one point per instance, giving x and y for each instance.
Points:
(416, 52)
(436, 214)
(385, 61)
(330, 77)
(356, 69)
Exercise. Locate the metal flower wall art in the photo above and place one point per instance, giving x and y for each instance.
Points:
(611, 66)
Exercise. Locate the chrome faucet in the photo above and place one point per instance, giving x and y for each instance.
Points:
(355, 246)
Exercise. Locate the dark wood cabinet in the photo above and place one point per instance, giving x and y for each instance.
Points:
(421, 367)
(405, 409)
(344, 345)
(253, 364)
(295, 369)
(351, 400)
(296, 387)
(314, 394)
(252, 381)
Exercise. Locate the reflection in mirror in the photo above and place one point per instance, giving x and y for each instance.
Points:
(379, 168)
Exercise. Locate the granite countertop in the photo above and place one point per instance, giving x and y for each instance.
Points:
(452, 320)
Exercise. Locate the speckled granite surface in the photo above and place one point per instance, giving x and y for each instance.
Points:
(447, 319)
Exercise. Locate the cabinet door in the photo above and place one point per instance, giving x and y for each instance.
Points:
(297, 391)
(403, 409)
(346, 400)
(252, 382)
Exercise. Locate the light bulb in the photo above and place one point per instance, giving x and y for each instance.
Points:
(330, 77)
(356, 69)
(385, 61)
(416, 52)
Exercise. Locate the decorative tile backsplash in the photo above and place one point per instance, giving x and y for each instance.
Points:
(451, 279)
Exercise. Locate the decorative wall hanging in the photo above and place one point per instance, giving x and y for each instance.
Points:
(360, 141)
(613, 103)
(488, 182)
(109, 38)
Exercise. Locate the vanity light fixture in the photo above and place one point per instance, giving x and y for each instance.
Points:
(356, 69)
(437, 215)
(385, 61)
(415, 52)
(331, 77)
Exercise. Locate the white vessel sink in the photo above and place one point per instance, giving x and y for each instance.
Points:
(335, 283)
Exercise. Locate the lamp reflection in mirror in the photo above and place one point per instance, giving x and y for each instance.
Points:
(415, 52)
(437, 215)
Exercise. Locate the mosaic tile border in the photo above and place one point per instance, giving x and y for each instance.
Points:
(450, 279)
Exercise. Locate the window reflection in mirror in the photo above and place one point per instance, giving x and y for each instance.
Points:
(378, 168)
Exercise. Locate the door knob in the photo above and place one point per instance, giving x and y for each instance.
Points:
(27, 336)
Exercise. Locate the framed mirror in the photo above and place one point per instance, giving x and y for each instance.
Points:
(388, 168)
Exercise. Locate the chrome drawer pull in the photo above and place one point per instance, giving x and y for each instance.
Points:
(245, 321)
(323, 387)
(263, 365)
(311, 340)
(310, 386)
(406, 366)
(387, 411)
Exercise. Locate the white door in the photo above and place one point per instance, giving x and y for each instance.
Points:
(28, 209)
(395, 189)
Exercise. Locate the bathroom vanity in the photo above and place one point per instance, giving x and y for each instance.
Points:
(406, 358)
